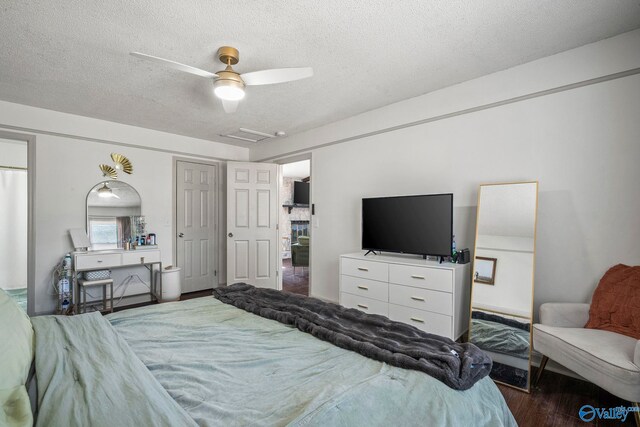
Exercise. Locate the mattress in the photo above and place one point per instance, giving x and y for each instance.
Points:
(203, 362)
(225, 366)
(500, 337)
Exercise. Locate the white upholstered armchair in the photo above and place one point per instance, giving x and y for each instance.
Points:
(607, 359)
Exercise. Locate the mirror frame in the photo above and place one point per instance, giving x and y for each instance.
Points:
(479, 279)
(533, 272)
(86, 206)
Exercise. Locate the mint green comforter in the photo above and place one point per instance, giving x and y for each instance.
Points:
(88, 376)
(228, 367)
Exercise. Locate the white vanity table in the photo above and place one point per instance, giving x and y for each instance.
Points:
(119, 258)
(114, 216)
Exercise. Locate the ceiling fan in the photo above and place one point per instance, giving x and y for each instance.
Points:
(105, 192)
(228, 85)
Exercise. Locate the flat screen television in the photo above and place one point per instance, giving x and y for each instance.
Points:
(420, 225)
(300, 193)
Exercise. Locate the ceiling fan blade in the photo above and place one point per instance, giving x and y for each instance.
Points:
(278, 75)
(174, 65)
(229, 106)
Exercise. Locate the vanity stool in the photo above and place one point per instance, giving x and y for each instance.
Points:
(82, 290)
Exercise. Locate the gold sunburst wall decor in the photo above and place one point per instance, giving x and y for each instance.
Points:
(122, 163)
(109, 171)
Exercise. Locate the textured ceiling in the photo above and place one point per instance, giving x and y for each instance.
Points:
(72, 55)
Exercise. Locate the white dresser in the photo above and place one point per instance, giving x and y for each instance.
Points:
(430, 296)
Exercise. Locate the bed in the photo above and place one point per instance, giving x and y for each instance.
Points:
(203, 362)
(507, 341)
(500, 334)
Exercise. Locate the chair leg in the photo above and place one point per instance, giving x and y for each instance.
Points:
(637, 413)
(543, 364)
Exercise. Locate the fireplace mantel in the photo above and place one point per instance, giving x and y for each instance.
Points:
(295, 205)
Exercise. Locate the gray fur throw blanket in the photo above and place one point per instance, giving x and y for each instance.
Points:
(458, 365)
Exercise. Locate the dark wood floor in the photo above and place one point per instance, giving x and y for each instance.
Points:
(556, 400)
(297, 283)
(198, 294)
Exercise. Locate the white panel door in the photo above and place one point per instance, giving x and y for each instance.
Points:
(195, 240)
(252, 218)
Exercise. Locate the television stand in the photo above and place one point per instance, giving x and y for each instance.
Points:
(439, 257)
(370, 251)
(385, 284)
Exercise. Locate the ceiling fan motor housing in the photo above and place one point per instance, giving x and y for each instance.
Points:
(228, 55)
(229, 77)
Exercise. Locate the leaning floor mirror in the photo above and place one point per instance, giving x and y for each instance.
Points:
(502, 289)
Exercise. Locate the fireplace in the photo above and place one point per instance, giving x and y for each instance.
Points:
(299, 228)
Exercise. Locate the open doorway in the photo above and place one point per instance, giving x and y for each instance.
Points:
(14, 219)
(295, 227)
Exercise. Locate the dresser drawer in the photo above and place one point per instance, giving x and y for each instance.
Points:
(97, 261)
(367, 305)
(365, 287)
(433, 323)
(140, 257)
(423, 277)
(365, 269)
(422, 299)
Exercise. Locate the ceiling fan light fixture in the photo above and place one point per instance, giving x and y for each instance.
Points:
(105, 191)
(229, 90)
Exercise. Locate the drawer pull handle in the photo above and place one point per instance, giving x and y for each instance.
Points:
(418, 298)
(363, 269)
(415, 276)
(98, 260)
(363, 306)
(363, 287)
(416, 319)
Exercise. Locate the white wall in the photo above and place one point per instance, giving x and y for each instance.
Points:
(13, 229)
(13, 215)
(22, 118)
(511, 290)
(67, 168)
(13, 153)
(581, 144)
(113, 211)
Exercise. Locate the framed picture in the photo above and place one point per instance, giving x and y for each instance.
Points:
(485, 270)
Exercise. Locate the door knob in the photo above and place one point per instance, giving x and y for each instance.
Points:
(230, 234)
(181, 235)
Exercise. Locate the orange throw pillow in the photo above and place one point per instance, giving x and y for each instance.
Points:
(616, 302)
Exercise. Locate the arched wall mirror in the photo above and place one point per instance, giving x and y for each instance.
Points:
(502, 289)
(114, 211)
